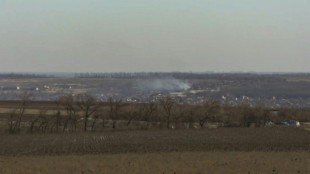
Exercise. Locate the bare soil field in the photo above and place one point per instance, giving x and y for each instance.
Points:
(218, 162)
(222, 150)
(221, 139)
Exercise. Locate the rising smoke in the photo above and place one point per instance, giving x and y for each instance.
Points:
(163, 85)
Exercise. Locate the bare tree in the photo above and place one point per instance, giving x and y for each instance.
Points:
(67, 101)
(44, 121)
(12, 121)
(210, 108)
(89, 105)
(150, 109)
(133, 111)
(246, 113)
(33, 123)
(231, 116)
(167, 104)
(114, 109)
(261, 113)
(94, 121)
(188, 114)
(57, 119)
(99, 113)
(40, 122)
(16, 116)
(178, 115)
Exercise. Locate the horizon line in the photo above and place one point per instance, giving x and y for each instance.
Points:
(141, 72)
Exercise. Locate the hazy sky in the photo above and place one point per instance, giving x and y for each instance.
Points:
(154, 35)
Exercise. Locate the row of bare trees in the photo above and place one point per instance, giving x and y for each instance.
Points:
(83, 112)
(15, 119)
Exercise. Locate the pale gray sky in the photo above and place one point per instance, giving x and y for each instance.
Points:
(154, 35)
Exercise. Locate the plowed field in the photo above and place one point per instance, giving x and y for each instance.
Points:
(221, 139)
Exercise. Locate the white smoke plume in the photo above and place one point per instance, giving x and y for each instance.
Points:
(163, 85)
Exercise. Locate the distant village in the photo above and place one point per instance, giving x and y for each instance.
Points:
(142, 91)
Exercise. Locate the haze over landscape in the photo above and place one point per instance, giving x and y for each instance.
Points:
(154, 86)
(175, 35)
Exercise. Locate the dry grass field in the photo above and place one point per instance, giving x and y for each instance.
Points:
(222, 150)
(218, 162)
(147, 141)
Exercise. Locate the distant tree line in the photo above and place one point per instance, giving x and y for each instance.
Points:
(22, 75)
(84, 113)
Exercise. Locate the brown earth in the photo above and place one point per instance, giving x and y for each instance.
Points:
(222, 150)
(220, 139)
(158, 163)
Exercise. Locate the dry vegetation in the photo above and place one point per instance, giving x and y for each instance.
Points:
(162, 163)
(81, 135)
(221, 139)
(222, 150)
(83, 112)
